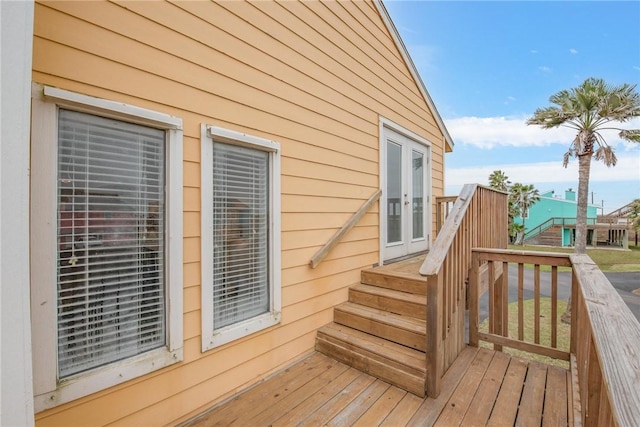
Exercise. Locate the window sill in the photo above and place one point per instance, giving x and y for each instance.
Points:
(98, 379)
(239, 330)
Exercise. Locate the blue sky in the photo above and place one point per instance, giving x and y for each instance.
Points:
(489, 64)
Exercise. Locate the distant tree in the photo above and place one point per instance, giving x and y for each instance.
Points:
(499, 180)
(523, 196)
(635, 216)
(516, 233)
(589, 109)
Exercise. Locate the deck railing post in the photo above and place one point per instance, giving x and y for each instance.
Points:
(573, 337)
(435, 319)
(474, 300)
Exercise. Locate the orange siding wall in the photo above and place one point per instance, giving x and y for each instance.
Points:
(314, 76)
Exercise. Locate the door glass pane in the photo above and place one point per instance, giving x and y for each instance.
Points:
(417, 178)
(394, 192)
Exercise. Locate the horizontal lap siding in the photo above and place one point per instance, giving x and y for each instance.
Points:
(314, 76)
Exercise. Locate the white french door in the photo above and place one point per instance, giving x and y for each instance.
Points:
(406, 188)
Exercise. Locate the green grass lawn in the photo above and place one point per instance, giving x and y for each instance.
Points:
(607, 259)
(563, 333)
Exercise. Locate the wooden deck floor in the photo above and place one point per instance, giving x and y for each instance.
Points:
(483, 387)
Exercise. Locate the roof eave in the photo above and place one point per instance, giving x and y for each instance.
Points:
(386, 18)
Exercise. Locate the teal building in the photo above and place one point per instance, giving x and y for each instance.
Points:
(559, 212)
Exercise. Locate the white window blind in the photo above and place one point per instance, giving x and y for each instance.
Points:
(240, 234)
(111, 251)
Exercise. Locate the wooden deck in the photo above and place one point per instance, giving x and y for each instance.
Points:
(482, 387)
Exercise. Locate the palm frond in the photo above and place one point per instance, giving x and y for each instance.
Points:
(632, 135)
(607, 155)
(550, 117)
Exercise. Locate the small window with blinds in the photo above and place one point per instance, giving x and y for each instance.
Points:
(105, 243)
(240, 234)
(111, 219)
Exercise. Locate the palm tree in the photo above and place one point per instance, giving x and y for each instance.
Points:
(635, 217)
(499, 180)
(589, 109)
(523, 196)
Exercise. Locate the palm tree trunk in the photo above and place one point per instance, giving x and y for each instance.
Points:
(584, 169)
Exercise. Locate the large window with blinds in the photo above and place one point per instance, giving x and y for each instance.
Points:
(111, 216)
(240, 223)
(100, 238)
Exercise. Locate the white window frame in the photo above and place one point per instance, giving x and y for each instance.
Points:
(213, 338)
(49, 391)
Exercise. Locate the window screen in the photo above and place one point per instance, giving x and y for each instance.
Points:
(111, 219)
(240, 234)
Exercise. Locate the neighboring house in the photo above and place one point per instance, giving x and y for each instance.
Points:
(187, 160)
(552, 219)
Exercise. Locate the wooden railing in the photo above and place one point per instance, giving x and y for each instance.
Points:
(478, 218)
(335, 239)
(500, 293)
(603, 350)
(444, 205)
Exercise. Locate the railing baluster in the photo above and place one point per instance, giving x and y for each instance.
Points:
(474, 286)
(554, 306)
(505, 299)
(520, 301)
(536, 305)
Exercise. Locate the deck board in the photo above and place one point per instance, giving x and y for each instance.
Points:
(555, 408)
(479, 412)
(456, 408)
(381, 409)
(338, 403)
(530, 412)
(506, 405)
(482, 387)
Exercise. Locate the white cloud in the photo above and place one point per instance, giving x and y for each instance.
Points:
(627, 169)
(533, 51)
(635, 67)
(490, 132)
(544, 69)
(573, 51)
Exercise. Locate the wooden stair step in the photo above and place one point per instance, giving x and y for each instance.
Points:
(383, 359)
(404, 303)
(404, 330)
(396, 280)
